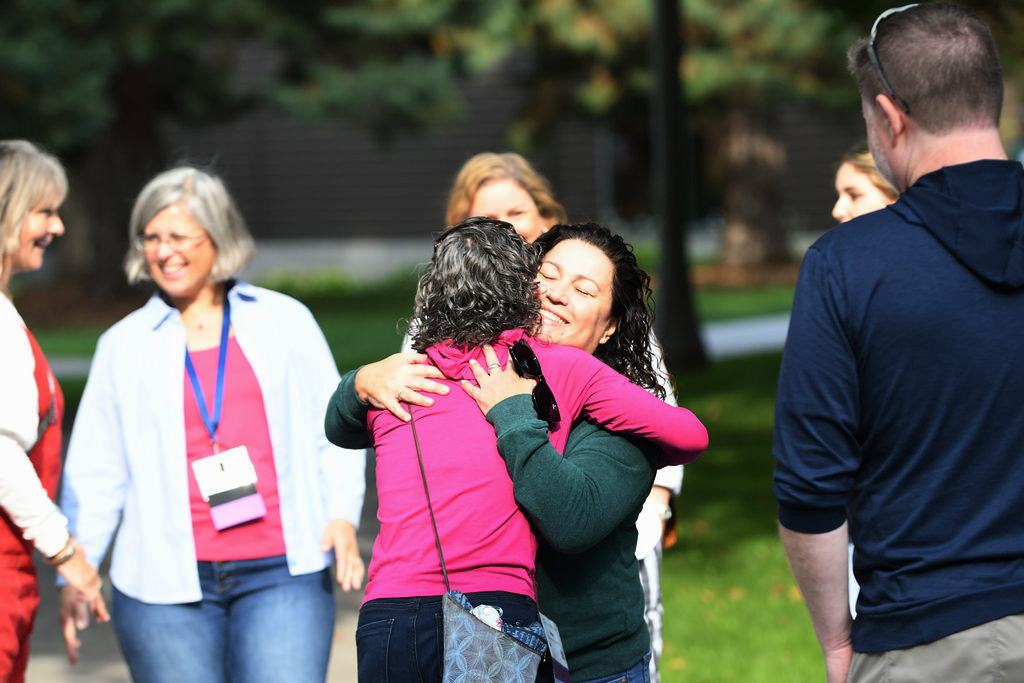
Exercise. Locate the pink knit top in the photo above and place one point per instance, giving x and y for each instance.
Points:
(486, 539)
(243, 422)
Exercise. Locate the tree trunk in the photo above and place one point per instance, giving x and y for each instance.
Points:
(107, 179)
(677, 327)
(755, 160)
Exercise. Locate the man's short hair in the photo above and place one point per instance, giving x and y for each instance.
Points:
(941, 60)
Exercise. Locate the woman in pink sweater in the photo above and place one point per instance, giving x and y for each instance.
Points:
(477, 290)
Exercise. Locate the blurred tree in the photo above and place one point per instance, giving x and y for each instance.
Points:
(94, 80)
(676, 323)
(741, 68)
(742, 59)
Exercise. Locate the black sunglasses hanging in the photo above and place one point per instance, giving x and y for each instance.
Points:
(525, 362)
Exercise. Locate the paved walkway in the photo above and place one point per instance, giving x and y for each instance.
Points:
(101, 660)
(745, 336)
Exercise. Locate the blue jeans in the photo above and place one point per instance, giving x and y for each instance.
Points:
(401, 640)
(638, 673)
(256, 623)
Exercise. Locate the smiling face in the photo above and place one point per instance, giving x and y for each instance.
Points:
(182, 272)
(41, 226)
(575, 288)
(857, 194)
(506, 200)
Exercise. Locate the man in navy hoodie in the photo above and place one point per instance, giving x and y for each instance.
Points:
(900, 414)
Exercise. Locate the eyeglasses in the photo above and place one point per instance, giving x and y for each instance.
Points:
(877, 65)
(524, 360)
(175, 241)
(470, 222)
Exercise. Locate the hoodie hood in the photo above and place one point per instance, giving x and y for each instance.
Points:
(976, 211)
(453, 361)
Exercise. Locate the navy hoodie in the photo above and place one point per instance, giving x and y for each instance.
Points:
(900, 406)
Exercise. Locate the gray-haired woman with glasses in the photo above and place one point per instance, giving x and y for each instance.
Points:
(200, 433)
(478, 290)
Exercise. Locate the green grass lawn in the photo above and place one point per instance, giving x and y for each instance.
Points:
(726, 304)
(732, 609)
(67, 340)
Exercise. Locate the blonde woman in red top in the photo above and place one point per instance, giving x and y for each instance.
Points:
(32, 188)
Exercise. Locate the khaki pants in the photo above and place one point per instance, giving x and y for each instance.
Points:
(990, 652)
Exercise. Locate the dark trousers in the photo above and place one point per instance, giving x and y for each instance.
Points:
(402, 639)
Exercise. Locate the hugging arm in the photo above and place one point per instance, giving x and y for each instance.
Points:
(345, 421)
(575, 500)
(399, 378)
(614, 402)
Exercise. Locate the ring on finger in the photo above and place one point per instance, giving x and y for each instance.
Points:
(493, 366)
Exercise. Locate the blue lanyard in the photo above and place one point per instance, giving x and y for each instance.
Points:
(218, 396)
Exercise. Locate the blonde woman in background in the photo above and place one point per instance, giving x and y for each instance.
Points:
(32, 187)
(860, 187)
(507, 188)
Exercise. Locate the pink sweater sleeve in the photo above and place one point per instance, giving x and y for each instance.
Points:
(583, 384)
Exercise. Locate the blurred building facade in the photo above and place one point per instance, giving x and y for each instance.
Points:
(301, 181)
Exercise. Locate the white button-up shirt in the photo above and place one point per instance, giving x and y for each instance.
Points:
(126, 461)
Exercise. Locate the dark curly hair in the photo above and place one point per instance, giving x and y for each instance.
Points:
(479, 284)
(628, 350)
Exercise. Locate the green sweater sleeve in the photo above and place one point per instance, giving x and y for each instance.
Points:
(345, 421)
(574, 500)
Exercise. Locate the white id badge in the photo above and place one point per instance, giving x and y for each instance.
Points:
(224, 471)
(559, 662)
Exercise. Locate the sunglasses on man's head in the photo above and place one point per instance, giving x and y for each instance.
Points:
(877, 65)
(524, 360)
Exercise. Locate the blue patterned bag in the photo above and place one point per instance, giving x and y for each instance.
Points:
(474, 650)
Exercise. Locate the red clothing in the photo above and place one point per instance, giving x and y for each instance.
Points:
(19, 592)
(243, 422)
(19, 589)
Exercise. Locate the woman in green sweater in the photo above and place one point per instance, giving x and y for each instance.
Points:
(583, 504)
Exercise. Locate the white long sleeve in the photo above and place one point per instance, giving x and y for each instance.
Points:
(22, 495)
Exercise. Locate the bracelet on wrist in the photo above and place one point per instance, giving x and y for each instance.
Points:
(661, 509)
(66, 553)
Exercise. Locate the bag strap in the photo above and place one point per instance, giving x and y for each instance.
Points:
(433, 522)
